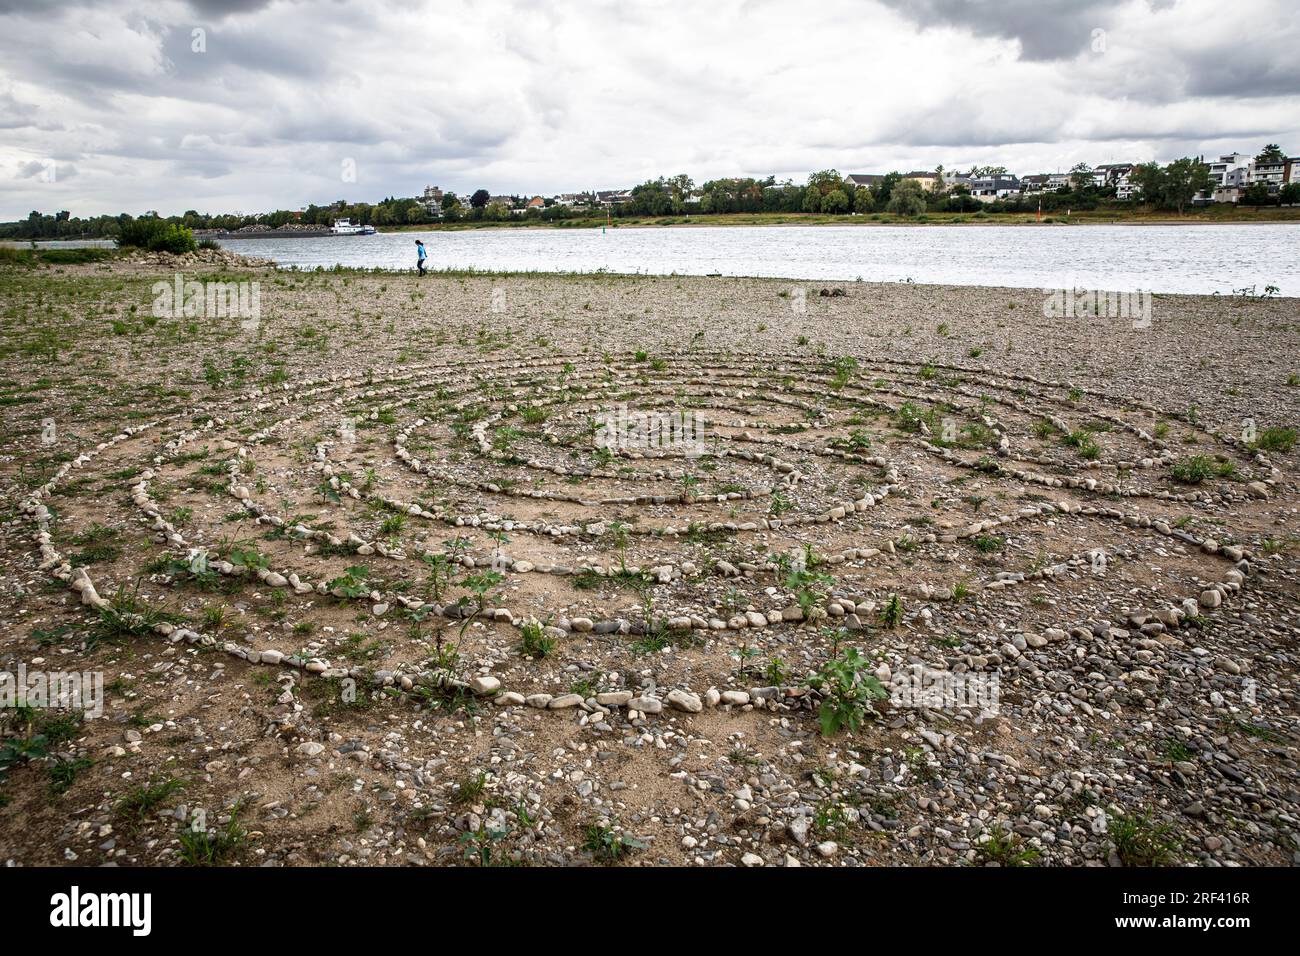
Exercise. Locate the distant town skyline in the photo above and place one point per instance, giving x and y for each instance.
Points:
(123, 106)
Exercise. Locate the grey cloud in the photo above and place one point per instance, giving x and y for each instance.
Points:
(226, 8)
(1046, 29)
(41, 169)
(539, 96)
(1216, 73)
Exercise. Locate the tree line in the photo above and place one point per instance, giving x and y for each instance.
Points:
(1172, 186)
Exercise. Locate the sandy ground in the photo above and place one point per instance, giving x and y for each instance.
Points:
(1092, 520)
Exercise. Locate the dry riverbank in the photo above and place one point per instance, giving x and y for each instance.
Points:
(364, 589)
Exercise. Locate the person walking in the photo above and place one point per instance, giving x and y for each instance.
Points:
(422, 254)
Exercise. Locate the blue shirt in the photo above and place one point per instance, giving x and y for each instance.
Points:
(423, 255)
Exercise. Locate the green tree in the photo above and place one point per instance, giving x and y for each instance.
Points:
(1184, 178)
(1150, 181)
(680, 187)
(940, 187)
(836, 201)
(653, 198)
(884, 189)
(1256, 194)
(1081, 176)
(480, 198)
(907, 198)
(820, 186)
(862, 201)
(1272, 153)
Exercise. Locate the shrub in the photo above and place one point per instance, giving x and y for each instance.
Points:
(848, 688)
(1140, 841)
(607, 844)
(1276, 439)
(1197, 468)
(157, 235)
(534, 641)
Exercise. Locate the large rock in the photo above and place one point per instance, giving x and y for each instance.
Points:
(685, 700)
(485, 684)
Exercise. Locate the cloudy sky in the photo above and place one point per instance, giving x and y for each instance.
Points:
(249, 105)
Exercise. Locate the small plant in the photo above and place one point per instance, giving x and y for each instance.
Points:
(844, 367)
(477, 844)
(1140, 842)
(351, 583)
(1198, 468)
(1004, 848)
(442, 567)
(606, 844)
(479, 585)
(141, 802)
(891, 615)
(215, 619)
(810, 587)
(470, 790)
(63, 771)
(1084, 443)
(211, 846)
(1276, 439)
(1175, 751)
(848, 689)
(775, 672)
(128, 615)
(618, 532)
(534, 641)
(504, 438)
(247, 557)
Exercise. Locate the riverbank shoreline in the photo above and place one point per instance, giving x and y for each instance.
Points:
(1234, 216)
(1290, 215)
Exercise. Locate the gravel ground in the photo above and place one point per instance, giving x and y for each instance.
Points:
(915, 575)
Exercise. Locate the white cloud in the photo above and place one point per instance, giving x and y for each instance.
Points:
(532, 97)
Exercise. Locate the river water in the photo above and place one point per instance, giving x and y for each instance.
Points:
(1191, 258)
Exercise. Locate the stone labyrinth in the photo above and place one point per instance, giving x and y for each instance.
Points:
(933, 513)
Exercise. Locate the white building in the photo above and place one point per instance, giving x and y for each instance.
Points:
(1227, 166)
(993, 188)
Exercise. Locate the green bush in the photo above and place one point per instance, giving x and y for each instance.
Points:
(848, 688)
(1198, 468)
(157, 235)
